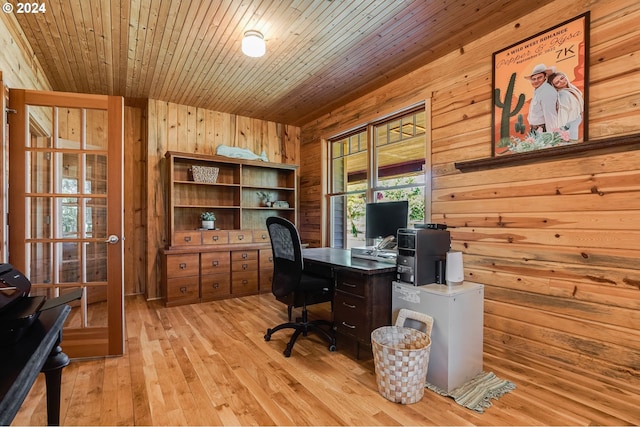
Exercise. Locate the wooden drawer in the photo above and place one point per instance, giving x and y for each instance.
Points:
(352, 283)
(215, 286)
(244, 283)
(215, 237)
(261, 236)
(245, 265)
(244, 255)
(350, 315)
(266, 277)
(188, 238)
(240, 236)
(266, 259)
(215, 262)
(182, 265)
(183, 290)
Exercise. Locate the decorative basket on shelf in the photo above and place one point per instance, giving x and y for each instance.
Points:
(208, 174)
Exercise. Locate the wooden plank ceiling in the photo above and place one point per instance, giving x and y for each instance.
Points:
(320, 53)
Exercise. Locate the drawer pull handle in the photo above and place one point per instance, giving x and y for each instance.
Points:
(183, 265)
(216, 285)
(245, 266)
(187, 238)
(244, 255)
(348, 305)
(183, 290)
(215, 238)
(245, 281)
(214, 263)
(240, 236)
(348, 325)
(264, 237)
(350, 285)
(270, 259)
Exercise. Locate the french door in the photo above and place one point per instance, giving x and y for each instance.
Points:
(65, 209)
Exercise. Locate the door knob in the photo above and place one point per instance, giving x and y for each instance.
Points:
(113, 239)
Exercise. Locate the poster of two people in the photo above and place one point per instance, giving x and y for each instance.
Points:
(539, 90)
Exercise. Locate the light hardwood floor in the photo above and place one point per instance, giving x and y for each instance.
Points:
(208, 364)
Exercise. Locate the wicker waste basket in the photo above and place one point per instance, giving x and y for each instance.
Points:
(401, 358)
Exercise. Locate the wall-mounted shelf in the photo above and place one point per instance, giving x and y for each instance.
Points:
(587, 148)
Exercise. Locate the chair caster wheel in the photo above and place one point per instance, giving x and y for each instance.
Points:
(287, 353)
(332, 347)
(267, 336)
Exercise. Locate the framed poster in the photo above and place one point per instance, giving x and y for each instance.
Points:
(540, 90)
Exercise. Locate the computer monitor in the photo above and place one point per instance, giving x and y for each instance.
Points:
(383, 219)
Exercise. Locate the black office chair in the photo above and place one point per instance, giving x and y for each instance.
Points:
(290, 279)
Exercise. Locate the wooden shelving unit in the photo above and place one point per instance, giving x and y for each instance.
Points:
(240, 224)
(233, 197)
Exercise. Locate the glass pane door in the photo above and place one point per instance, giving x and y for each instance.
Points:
(68, 190)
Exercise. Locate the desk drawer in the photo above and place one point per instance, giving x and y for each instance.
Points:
(350, 315)
(352, 283)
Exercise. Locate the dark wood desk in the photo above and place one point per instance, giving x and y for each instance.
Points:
(362, 299)
(37, 351)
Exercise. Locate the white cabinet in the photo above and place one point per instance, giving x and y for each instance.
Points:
(456, 338)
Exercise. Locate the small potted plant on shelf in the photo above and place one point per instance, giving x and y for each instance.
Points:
(266, 197)
(208, 220)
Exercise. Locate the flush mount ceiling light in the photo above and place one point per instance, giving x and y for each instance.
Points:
(253, 44)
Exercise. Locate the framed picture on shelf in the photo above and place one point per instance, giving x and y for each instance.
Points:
(540, 90)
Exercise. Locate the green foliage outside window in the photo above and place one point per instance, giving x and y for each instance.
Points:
(356, 203)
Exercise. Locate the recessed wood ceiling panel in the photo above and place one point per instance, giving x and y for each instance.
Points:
(320, 53)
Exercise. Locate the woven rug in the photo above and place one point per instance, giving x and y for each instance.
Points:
(476, 394)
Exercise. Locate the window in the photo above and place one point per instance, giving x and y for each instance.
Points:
(380, 162)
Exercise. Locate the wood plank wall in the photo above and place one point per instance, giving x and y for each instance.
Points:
(135, 244)
(197, 130)
(556, 243)
(20, 67)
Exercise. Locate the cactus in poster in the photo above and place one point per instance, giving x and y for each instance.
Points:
(505, 106)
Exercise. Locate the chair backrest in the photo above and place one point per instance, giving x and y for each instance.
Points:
(287, 255)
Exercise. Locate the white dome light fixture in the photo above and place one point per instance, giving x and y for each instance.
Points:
(253, 44)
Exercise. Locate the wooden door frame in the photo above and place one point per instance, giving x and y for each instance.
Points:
(19, 125)
(4, 174)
